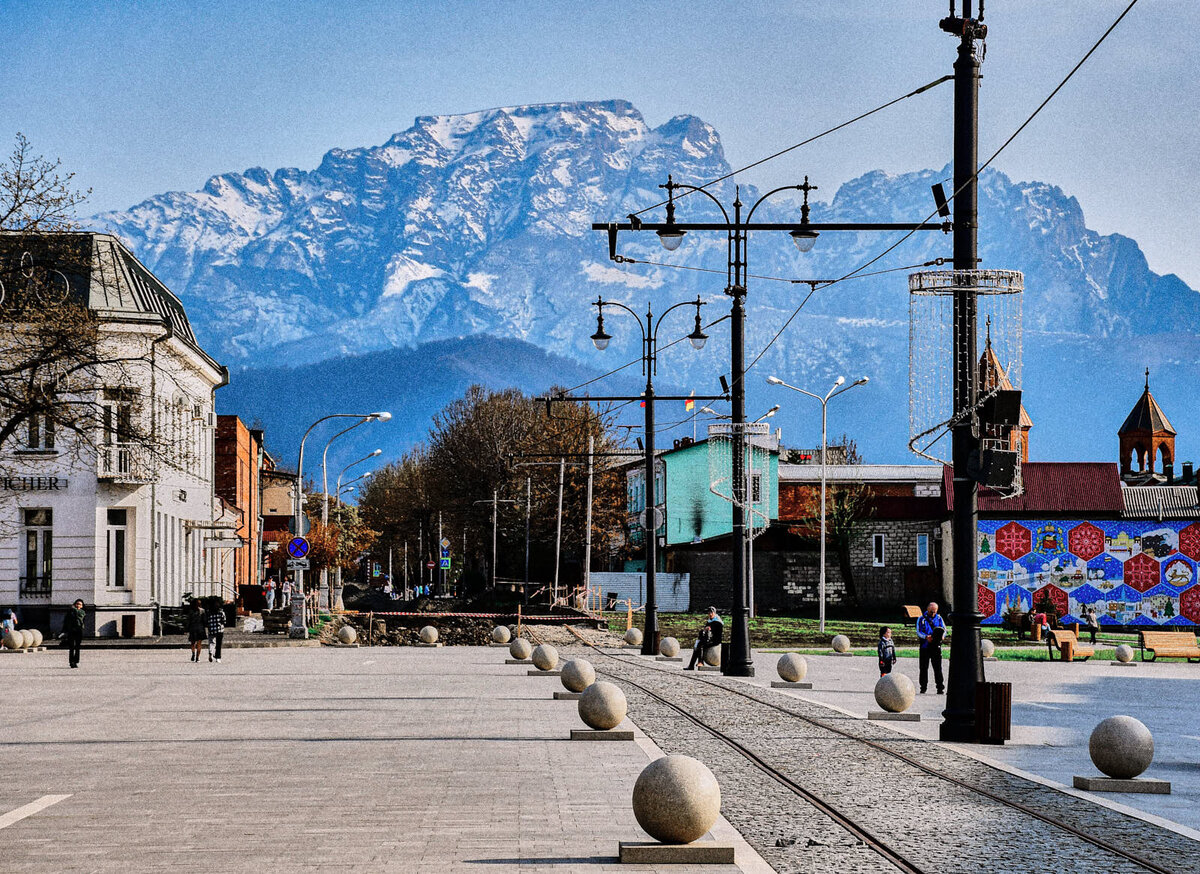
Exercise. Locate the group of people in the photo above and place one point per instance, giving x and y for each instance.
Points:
(206, 625)
(283, 590)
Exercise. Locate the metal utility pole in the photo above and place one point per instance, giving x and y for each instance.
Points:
(406, 570)
(587, 537)
(420, 554)
(495, 502)
(528, 513)
(441, 573)
(966, 662)
(562, 468)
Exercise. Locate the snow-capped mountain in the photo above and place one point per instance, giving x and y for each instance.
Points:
(480, 224)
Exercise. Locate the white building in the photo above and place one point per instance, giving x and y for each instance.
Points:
(127, 521)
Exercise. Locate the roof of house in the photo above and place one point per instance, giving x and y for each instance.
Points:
(1055, 487)
(866, 473)
(1146, 415)
(1160, 502)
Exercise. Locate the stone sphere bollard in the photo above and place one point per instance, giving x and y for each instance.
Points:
(501, 634)
(26, 638)
(668, 647)
(895, 693)
(1124, 653)
(13, 640)
(791, 667)
(602, 706)
(347, 634)
(429, 634)
(545, 657)
(633, 637)
(676, 799)
(1121, 747)
(520, 649)
(37, 637)
(577, 675)
(987, 648)
(712, 656)
(841, 643)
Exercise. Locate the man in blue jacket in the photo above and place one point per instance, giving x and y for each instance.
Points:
(931, 631)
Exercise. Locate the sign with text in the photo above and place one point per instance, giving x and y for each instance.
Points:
(19, 483)
(298, 564)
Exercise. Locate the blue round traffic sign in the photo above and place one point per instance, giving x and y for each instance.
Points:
(297, 547)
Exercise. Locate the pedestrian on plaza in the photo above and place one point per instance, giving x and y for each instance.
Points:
(73, 623)
(1093, 624)
(286, 591)
(269, 592)
(9, 622)
(931, 630)
(1042, 621)
(886, 650)
(216, 629)
(710, 635)
(196, 622)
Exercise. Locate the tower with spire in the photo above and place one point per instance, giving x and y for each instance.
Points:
(992, 376)
(1145, 435)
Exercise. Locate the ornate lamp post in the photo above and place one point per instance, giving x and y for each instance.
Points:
(649, 367)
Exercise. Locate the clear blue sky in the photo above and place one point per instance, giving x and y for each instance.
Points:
(144, 97)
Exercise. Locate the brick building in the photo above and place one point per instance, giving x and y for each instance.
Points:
(238, 463)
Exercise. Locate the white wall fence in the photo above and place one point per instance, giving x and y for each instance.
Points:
(672, 591)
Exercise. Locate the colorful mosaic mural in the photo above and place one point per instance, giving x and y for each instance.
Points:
(1131, 572)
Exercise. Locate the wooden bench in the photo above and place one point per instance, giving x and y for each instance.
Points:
(1170, 645)
(912, 612)
(1068, 645)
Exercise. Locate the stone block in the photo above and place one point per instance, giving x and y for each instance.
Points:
(849, 654)
(1123, 664)
(895, 717)
(696, 853)
(784, 684)
(668, 658)
(716, 668)
(539, 673)
(1112, 784)
(601, 734)
(429, 645)
(567, 696)
(518, 661)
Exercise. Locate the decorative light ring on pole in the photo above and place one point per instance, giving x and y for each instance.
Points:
(720, 456)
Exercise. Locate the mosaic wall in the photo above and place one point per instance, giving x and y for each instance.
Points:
(1131, 572)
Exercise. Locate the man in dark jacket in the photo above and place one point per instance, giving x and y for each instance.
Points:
(73, 623)
(710, 635)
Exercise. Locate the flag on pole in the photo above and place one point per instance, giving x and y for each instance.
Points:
(690, 403)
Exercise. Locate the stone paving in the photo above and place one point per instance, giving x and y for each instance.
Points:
(387, 759)
(1055, 707)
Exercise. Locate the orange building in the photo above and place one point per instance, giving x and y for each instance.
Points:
(240, 459)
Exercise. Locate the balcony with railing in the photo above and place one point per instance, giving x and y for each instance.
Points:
(123, 463)
(35, 588)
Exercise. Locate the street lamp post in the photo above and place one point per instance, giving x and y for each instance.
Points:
(833, 392)
(367, 457)
(649, 368)
(298, 627)
(804, 234)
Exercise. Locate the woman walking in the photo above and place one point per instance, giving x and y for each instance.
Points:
(196, 623)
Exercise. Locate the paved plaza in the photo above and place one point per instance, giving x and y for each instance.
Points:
(447, 759)
(384, 759)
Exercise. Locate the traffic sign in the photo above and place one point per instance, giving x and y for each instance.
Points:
(297, 564)
(297, 547)
(305, 525)
(430, 565)
(445, 543)
(445, 564)
(445, 553)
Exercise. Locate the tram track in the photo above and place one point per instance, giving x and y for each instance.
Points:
(848, 823)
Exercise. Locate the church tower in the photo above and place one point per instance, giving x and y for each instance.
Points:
(1146, 434)
(991, 376)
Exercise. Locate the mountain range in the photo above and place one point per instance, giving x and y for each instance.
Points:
(467, 238)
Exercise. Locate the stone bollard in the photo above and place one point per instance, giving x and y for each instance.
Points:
(894, 693)
(602, 707)
(1121, 747)
(347, 635)
(520, 650)
(676, 800)
(26, 638)
(840, 644)
(13, 640)
(37, 637)
(429, 635)
(987, 648)
(792, 669)
(501, 634)
(577, 675)
(633, 637)
(668, 648)
(1124, 655)
(545, 658)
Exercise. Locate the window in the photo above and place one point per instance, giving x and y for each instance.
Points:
(117, 417)
(877, 554)
(40, 432)
(117, 537)
(923, 550)
(37, 535)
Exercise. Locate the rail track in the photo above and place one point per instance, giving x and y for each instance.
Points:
(869, 839)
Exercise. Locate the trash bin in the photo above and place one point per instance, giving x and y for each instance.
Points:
(993, 712)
